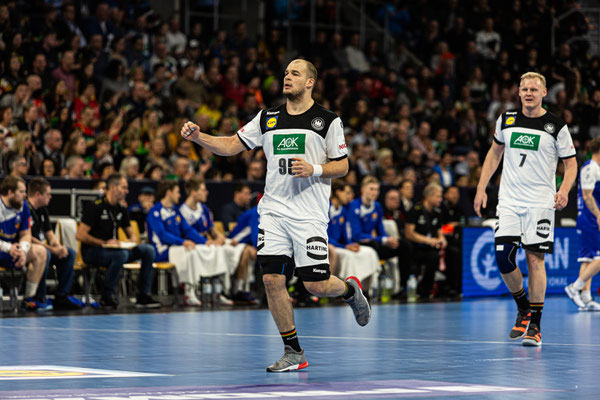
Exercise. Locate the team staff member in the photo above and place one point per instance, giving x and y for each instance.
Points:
(16, 249)
(424, 229)
(305, 147)
(61, 256)
(98, 228)
(532, 141)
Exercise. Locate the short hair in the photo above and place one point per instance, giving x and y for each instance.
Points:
(367, 180)
(193, 184)
(403, 182)
(431, 188)
(164, 186)
(10, 184)
(238, 187)
(37, 185)
(72, 160)
(338, 184)
(595, 145)
(533, 75)
(16, 158)
(113, 180)
(311, 70)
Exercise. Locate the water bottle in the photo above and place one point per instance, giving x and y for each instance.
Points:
(412, 289)
(206, 292)
(385, 286)
(217, 288)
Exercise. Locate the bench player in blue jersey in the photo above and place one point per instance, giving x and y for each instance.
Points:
(16, 250)
(588, 231)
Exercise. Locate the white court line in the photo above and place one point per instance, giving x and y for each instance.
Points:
(367, 339)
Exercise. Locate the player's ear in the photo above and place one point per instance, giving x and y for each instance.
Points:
(310, 83)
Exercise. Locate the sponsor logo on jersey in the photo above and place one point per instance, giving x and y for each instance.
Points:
(509, 121)
(527, 141)
(289, 144)
(272, 112)
(317, 123)
(549, 127)
(543, 228)
(511, 113)
(272, 122)
(316, 248)
(319, 271)
(343, 146)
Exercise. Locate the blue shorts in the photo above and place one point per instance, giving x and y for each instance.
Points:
(589, 245)
(6, 260)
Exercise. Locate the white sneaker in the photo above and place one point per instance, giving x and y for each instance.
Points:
(590, 306)
(224, 301)
(191, 300)
(574, 295)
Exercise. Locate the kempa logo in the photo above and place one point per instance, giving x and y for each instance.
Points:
(289, 144)
(527, 141)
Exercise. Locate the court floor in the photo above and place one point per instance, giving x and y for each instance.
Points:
(443, 350)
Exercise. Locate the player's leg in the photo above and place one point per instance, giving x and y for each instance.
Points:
(37, 263)
(274, 256)
(238, 292)
(507, 240)
(589, 256)
(538, 239)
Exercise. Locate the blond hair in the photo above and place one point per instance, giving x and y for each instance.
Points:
(533, 75)
(367, 180)
(431, 189)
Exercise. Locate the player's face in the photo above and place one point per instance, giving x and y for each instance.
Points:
(202, 193)
(295, 80)
(371, 191)
(122, 190)
(346, 195)
(45, 196)
(531, 92)
(436, 198)
(16, 200)
(174, 195)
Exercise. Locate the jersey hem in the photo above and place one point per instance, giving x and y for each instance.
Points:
(497, 141)
(244, 143)
(567, 157)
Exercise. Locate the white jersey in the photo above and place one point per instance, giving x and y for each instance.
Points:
(532, 147)
(316, 136)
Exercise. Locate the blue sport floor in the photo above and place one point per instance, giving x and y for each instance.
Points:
(433, 350)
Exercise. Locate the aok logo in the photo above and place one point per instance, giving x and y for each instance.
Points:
(526, 141)
(289, 144)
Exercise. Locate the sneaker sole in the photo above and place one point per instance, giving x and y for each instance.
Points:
(290, 368)
(531, 343)
(354, 278)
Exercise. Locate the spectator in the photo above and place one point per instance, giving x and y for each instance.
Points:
(65, 73)
(75, 168)
(16, 249)
(50, 151)
(38, 198)
(256, 171)
(18, 166)
(100, 246)
(444, 169)
(48, 170)
(424, 229)
(406, 189)
(176, 40)
(240, 203)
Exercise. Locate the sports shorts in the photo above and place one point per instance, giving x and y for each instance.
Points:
(532, 227)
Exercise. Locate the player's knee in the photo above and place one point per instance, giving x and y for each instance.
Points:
(318, 289)
(273, 281)
(506, 254)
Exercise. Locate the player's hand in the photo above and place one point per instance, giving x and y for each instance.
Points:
(443, 243)
(190, 131)
(301, 168)
(188, 244)
(15, 248)
(20, 260)
(480, 201)
(353, 247)
(560, 200)
(113, 242)
(391, 242)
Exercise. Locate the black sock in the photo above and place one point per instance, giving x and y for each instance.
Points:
(536, 313)
(291, 339)
(349, 291)
(521, 299)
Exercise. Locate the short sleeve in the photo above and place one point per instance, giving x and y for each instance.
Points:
(565, 143)
(125, 219)
(47, 227)
(90, 214)
(335, 141)
(251, 134)
(412, 217)
(498, 136)
(25, 218)
(588, 177)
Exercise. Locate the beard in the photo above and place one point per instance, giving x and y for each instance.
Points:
(16, 204)
(295, 96)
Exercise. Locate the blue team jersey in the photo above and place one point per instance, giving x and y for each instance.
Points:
(337, 230)
(366, 223)
(13, 221)
(246, 228)
(201, 219)
(167, 227)
(589, 179)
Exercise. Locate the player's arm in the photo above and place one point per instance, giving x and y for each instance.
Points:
(490, 165)
(590, 202)
(562, 196)
(223, 146)
(333, 169)
(84, 236)
(412, 235)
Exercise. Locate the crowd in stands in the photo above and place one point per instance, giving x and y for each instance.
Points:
(90, 88)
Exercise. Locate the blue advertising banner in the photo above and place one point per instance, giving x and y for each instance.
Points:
(480, 271)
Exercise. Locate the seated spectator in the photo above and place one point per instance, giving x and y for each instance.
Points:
(38, 198)
(444, 169)
(407, 192)
(167, 228)
(130, 168)
(139, 211)
(75, 168)
(18, 166)
(182, 169)
(17, 100)
(51, 150)
(48, 170)
(235, 256)
(256, 171)
(99, 244)
(16, 249)
(365, 216)
(241, 200)
(424, 229)
(348, 258)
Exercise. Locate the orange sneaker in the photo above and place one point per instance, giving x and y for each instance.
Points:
(533, 336)
(521, 325)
